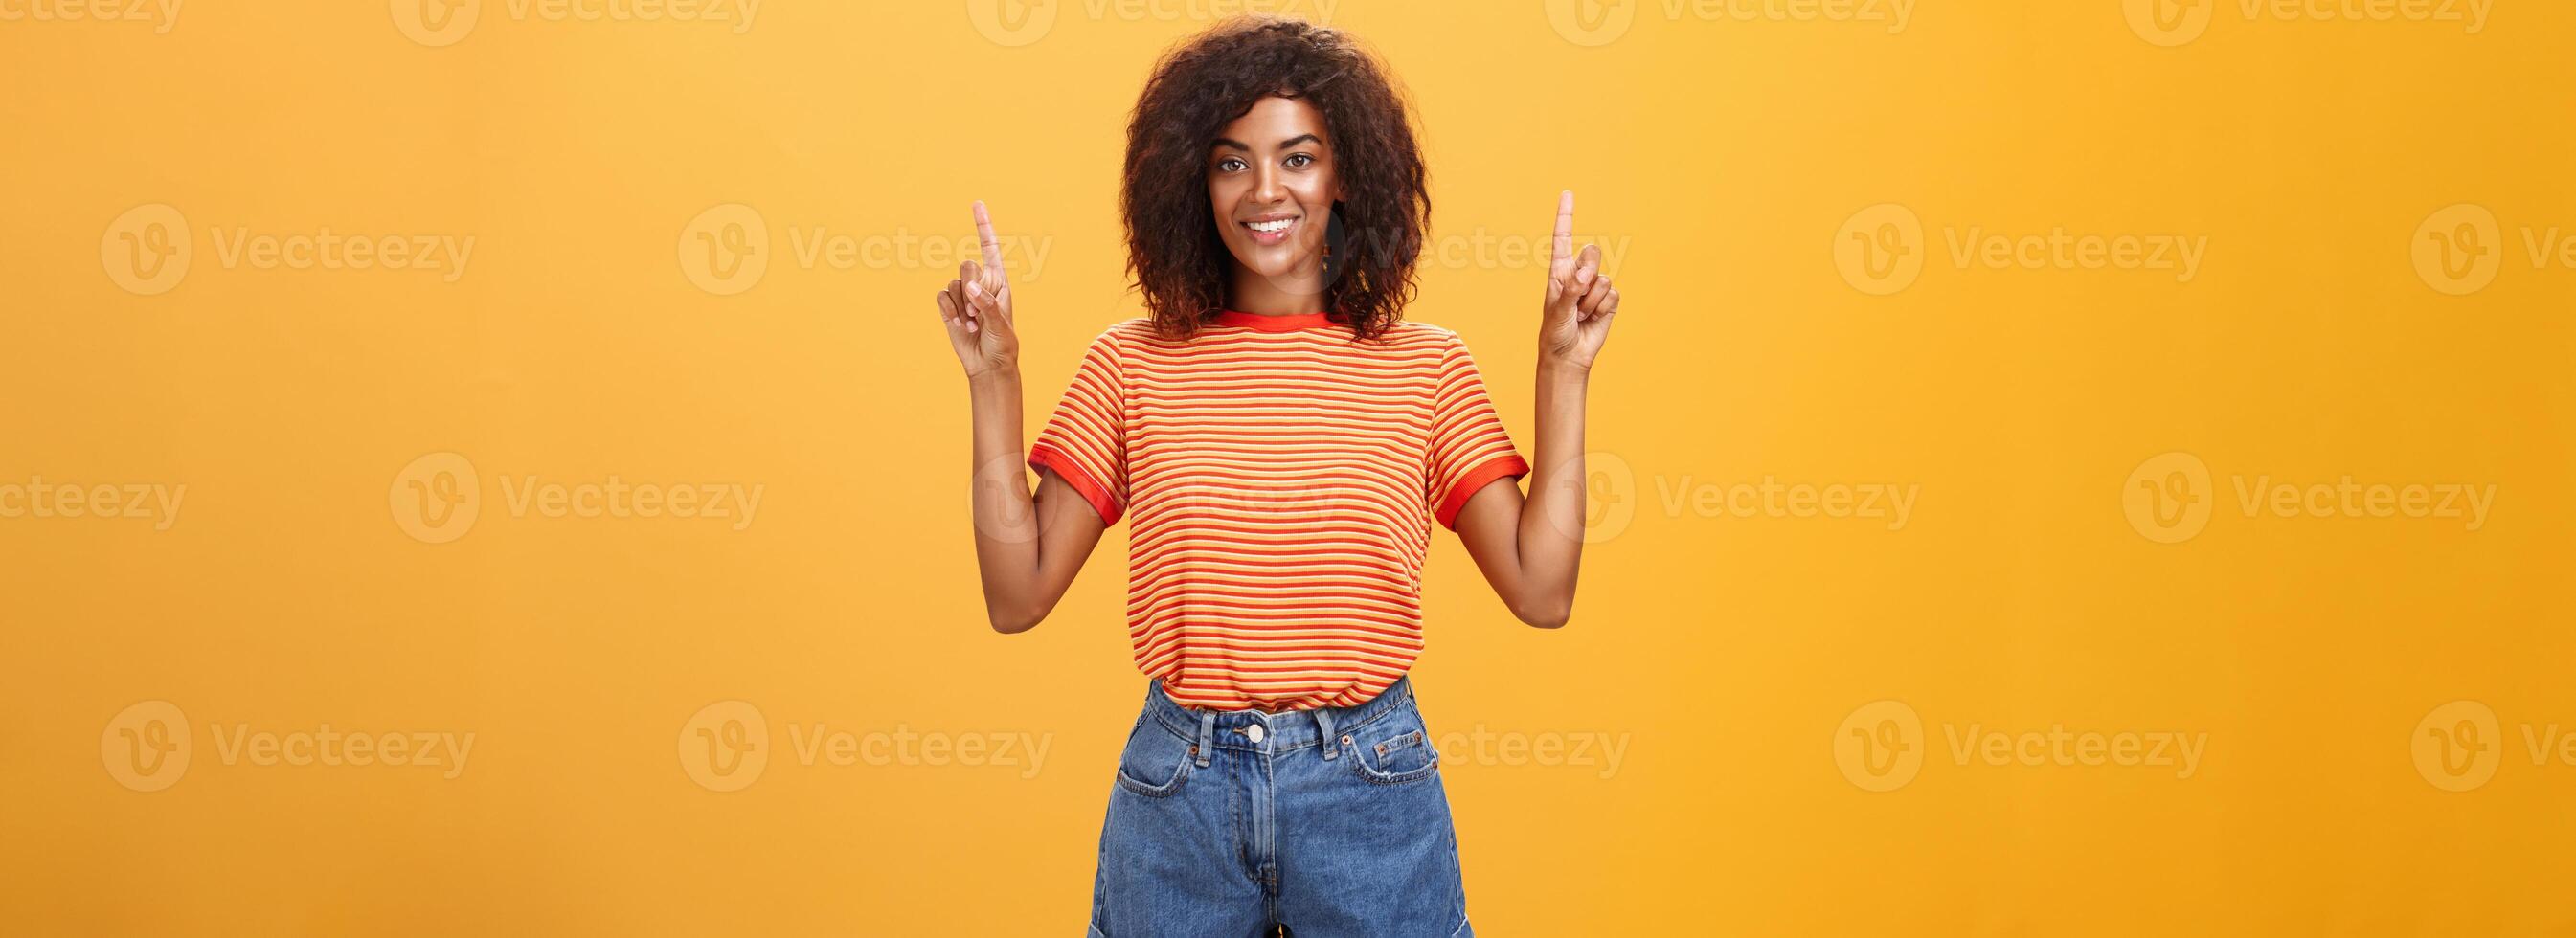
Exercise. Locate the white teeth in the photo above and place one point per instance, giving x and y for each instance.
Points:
(1267, 227)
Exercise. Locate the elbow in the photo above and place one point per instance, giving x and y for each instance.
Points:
(1544, 614)
(1013, 620)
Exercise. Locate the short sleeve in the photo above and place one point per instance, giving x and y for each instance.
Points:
(1469, 447)
(1086, 441)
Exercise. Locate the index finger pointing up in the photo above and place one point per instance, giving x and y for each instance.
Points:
(1562, 253)
(984, 232)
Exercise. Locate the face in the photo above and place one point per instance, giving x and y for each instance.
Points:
(1271, 182)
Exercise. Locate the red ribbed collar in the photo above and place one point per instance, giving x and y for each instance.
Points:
(1261, 323)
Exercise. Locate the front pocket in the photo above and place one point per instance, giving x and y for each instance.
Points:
(1156, 761)
(1404, 754)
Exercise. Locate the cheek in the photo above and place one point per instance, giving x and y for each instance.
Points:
(1325, 184)
(1223, 192)
(1317, 196)
(1316, 190)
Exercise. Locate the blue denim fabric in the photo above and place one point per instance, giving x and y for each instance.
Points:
(1331, 822)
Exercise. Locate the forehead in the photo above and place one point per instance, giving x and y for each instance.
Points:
(1274, 119)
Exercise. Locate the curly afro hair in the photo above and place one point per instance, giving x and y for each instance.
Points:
(1206, 82)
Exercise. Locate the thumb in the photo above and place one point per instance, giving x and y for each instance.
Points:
(1560, 296)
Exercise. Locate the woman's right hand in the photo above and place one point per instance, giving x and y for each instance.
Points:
(976, 307)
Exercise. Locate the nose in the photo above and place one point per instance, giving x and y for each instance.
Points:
(1265, 185)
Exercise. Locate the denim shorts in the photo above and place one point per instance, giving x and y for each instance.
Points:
(1329, 821)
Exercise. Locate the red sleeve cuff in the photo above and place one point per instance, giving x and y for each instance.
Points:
(1505, 465)
(1048, 457)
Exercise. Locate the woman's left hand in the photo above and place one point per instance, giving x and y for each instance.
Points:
(1580, 302)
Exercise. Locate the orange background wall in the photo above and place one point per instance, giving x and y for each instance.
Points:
(2090, 679)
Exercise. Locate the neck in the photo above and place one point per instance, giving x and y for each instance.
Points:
(1300, 293)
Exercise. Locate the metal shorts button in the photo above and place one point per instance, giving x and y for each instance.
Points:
(1253, 732)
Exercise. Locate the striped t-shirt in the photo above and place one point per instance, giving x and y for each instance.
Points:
(1280, 479)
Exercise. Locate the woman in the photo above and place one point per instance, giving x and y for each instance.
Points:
(1280, 441)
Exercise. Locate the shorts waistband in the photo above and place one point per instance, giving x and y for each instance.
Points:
(1279, 731)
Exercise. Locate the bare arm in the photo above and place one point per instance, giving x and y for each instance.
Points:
(1027, 548)
(1531, 548)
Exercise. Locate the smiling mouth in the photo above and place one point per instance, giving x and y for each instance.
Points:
(1270, 231)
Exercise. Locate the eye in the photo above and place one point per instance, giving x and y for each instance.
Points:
(1298, 160)
(1230, 165)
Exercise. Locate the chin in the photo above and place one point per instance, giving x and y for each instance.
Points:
(1271, 263)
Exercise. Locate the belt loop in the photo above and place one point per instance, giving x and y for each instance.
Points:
(1207, 738)
(1324, 730)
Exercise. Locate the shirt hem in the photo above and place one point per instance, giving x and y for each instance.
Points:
(1507, 464)
(1048, 457)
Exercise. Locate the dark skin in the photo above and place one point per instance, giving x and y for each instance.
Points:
(1273, 169)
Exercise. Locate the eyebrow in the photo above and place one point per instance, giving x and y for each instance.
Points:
(1284, 144)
